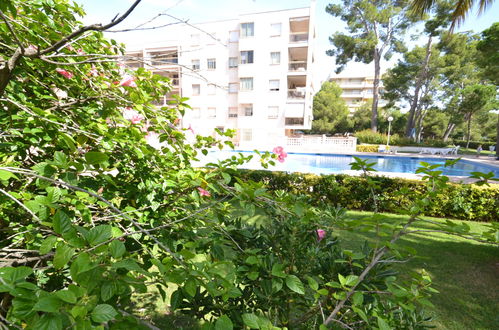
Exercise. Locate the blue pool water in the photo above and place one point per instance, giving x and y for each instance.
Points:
(332, 164)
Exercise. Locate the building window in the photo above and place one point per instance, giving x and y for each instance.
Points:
(232, 112)
(247, 110)
(247, 29)
(196, 89)
(275, 29)
(196, 65)
(232, 62)
(233, 36)
(274, 85)
(233, 87)
(212, 64)
(212, 112)
(273, 112)
(194, 39)
(246, 57)
(246, 134)
(275, 58)
(212, 89)
(196, 112)
(246, 84)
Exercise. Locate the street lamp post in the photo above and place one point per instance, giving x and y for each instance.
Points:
(390, 119)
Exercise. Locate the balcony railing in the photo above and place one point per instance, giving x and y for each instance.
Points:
(298, 93)
(298, 37)
(298, 66)
(294, 122)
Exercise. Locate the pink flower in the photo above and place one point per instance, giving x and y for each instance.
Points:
(32, 49)
(93, 72)
(152, 139)
(80, 51)
(128, 81)
(321, 233)
(65, 73)
(203, 192)
(191, 129)
(132, 115)
(281, 155)
(70, 48)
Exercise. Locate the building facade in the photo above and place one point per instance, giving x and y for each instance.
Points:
(357, 89)
(252, 74)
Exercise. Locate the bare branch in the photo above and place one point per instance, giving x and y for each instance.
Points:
(18, 202)
(93, 27)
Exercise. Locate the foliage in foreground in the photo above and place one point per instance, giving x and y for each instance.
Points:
(100, 201)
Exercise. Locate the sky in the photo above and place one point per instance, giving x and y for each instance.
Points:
(102, 11)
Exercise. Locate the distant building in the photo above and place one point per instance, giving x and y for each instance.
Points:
(357, 89)
(252, 73)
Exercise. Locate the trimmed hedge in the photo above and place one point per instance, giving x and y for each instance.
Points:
(367, 148)
(475, 144)
(458, 201)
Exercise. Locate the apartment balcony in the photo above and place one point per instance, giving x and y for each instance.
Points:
(297, 93)
(298, 66)
(294, 122)
(297, 87)
(298, 37)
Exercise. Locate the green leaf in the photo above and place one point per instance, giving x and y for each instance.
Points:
(49, 322)
(382, 324)
(351, 280)
(103, 313)
(47, 244)
(99, 234)
(108, 290)
(48, 304)
(5, 175)
(61, 223)
(224, 323)
(66, 296)
(63, 254)
(190, 287)
(278, 270)
(312, 283)
(117, 249)
(358, 298)
(176, 299)
(295, 284)
(14, 274)
(96, 157)
(251, 320)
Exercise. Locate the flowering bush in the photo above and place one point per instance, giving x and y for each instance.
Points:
(99, 204)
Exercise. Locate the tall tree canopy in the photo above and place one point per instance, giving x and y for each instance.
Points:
(488, 53)
(330, 110)
(461, 8)
(375, 31)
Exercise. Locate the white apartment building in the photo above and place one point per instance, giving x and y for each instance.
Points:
(252, 73)
(357, 89)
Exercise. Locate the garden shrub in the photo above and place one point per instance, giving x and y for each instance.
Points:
(367, 148)
(475, 144)
(458, 201)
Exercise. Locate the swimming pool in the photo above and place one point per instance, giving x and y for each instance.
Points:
(334, 164)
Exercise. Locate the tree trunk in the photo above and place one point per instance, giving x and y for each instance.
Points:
(6, 69)
(377, 74)
(468, 134)
(419, 83)
(497, 138)
(448, 131)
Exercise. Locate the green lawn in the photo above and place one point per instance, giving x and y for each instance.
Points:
(465, 272)
(469, 151)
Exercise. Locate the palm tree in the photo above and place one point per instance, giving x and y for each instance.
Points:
(461, 8)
